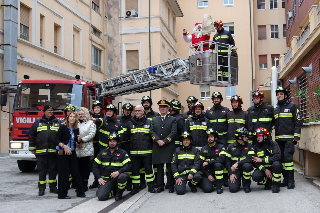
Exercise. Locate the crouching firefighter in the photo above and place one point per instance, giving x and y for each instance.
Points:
(111, 167)
(186, 165)
(213, 158)
(267, 161)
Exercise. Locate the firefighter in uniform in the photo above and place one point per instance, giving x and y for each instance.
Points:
(267, 161)
(239, 161)
(127, 109)
(107, 125)
(191, 100)
(213, 156)
(224, 38)
(197, 125)
(186, 165)
(140, 149)
(111, 167)
(41, 143)
(175, 107)
(261, 114)
(288, 125)
(236, 118)
(163, 131)
(97, 113)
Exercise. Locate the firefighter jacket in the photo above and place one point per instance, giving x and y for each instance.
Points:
(180, 127)
(197, 127)
(217, 116)
(106, 163)
(186, 115)
(42, 135)
(151, 114)
(107, 126)
(236, 119)
(139, 136)
(124, 121)
(186, 160)
(269, 152)
(237, 152)
(96, 137)
(261, 116)
(224, 37)
(288, 121)
(215, 153)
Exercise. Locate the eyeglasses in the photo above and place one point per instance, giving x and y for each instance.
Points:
(137, 110)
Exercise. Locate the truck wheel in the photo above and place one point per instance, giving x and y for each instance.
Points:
(26, 166)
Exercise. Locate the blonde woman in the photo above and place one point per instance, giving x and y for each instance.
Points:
(85, 149)
(66, 138)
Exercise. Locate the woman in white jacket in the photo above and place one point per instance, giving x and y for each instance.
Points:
(84, 149)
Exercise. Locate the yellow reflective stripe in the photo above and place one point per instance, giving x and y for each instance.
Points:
(136, 130)
(284, 136)
(185, 172)
(140, 152)
(232, 120)
(42, 181)
(276, 116)
(193, 170)
(218, 172)
(97, 161)
(41, 150)
(53, 181)
(150, 119)
(103, 144)
(296, 135)
(218, 120)
(228, 155)
(261, 167)
(126, 161)
(52, 150)
(219, 72)
(186, 156)
(260, 154)
(225, 36)
(285, 115)
(124, 129)
(54, 128)
(222, 153)
(111, 164)
(242, 158)
(231, 141)
(106, 177)
(234, 158)
(202, 158)
(223, 51)
(104, 132)
(32, 148)
(254, 120)
(177, 142)
(198, 147)
(266, 159)
(222, 133)
(120, 131)
(175, 174)
(201, 127)
(297, 115)
(265, 119)
(251, 153)
(41, 128)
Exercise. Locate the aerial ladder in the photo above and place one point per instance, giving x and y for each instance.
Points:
(201, 68)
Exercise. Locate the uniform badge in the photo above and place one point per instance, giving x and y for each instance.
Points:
(116, 126)
(233, 148)
(204, 123)
(222, 148)
(246, 148)
(104, 153)
(205, 151)
(126, 155)
(286, 110)
(265, 110)
(211, 112)
(217, 150)
(118, 155)
(223, 111)
(169, 139)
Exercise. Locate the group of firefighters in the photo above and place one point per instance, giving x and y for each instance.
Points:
(206, 149)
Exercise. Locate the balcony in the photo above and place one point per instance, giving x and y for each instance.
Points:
(304, 34)
(288, 56)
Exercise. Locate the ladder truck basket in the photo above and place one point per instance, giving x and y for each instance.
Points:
(214, 67)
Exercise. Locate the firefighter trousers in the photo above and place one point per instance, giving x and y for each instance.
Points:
(217, 174)
(181, 189)
(112, 185)
(287, 151)
(47, 164)
(243, 173)
(139, 162)
(260, 177)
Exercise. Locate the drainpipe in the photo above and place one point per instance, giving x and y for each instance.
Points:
(10, 38)
(150, 37)
(274, 84)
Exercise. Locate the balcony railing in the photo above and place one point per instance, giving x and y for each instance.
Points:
(304, 34)
(288, 56)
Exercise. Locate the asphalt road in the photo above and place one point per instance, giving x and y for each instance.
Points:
(18, 193)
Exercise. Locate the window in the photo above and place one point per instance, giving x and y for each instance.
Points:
(202, 4)
(263, 64)
(283, 4)
(274, 31)
(76, 44)
(132, 60)
(227, 3)
(24, 22)
(95, 31)
(230, 91)
(284, 27)
(205, 92)
(41, 29)
(289, 18)
(95, 5)
(229, 27)
(300, 1)
(261, 4)
(57, 39)
(132, 5)
(96, 58)
(273, 4)
(294, 9)
(262, 32)
(303, 98)
(275, 59)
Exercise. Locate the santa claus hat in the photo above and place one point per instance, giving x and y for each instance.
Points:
(198, 23)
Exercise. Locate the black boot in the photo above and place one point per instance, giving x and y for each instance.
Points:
(268, 184)
(95, 184)
(276, 187)
(219, 190)
(54, 190)
(151, 188)
(118, 195)
(225, 180)
(41, 192)
(291, 184)
(285, 179)
(192, 187)
(85, 185)
(135, 189)
(247, 189)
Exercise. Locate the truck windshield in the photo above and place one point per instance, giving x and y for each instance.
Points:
(35, 95)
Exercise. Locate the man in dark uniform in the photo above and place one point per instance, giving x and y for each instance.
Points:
(146, 102)
(288, 123)
(267, 161)
(111, 167)
(213, 158)
(41, 143)
(175, 107)
(260, 114)
(186, 165)
(163, 132)
(191, 100)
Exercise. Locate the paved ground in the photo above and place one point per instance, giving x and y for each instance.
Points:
(18, 193)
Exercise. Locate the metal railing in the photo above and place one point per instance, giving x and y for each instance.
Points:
(304, 34)
(288, 56)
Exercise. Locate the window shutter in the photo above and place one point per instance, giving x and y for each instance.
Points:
(55, 37)
(24, 15)
(262, 32)
(41, 26)
(96, 2)
(132, 59)
(132, 5)
(263, 59)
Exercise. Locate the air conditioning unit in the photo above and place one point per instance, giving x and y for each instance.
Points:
(131, 13)
(289, 14)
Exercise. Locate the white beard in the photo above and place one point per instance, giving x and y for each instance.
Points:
(197, 33)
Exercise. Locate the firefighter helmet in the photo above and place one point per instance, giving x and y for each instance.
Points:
(262, 131)
(146, 98)
(218, 23)
(192, 99)
(281, 89)
(236, 98)
(112, 107)
(212, 132)
(175, 104)
(241, 132)
(216, 94)
(97, 103)
(198, 104)
(186, 134)
(127, 106)
(258, 93)
(69, 107)
(115, 136)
